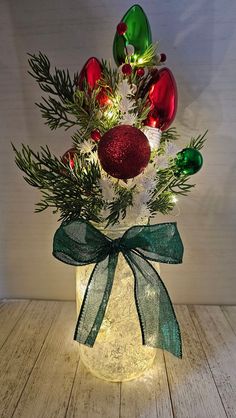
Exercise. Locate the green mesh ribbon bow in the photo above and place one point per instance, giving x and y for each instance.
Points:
(79, 243)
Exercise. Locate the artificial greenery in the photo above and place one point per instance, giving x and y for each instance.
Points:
(76, 192)
(147, 59)
(198, 142)
(59, 84)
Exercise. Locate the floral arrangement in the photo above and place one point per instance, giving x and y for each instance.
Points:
(123, 167)
(107, 180)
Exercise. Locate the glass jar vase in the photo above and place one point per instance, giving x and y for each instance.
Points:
(118, 353)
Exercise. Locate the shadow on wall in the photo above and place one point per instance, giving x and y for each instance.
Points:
(189, 30)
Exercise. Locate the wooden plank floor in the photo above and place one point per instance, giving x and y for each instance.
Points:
(41, 375)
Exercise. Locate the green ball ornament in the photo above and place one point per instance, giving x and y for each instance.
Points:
(188, 161)
(138, 34)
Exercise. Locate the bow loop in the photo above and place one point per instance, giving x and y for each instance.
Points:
(160, 242)
(79, 243)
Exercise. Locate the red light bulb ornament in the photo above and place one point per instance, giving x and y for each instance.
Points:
(92, 73)
(163, 98)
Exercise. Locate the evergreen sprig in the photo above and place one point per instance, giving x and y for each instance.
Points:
(198, 142)
(169, 135)
(181, 185)
(55, 113)
(110, 77)
(163, 203)
(118, 207)
(58, 84)
(148, 58)
(74, 193)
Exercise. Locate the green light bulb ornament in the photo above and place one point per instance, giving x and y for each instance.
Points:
(138, 34)
(188, 161)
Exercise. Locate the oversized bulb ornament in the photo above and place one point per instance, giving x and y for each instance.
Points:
(163, 98)
(92, 73)
(135, 30)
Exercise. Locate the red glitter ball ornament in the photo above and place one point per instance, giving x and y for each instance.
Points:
(140, 72)
(124, 152)
(95, 135)
(69, 157)
(126, 69)
(121, 28)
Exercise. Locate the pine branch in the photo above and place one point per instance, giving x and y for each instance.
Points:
(163, 204)
(148, 58)
(167, 186)
(55, 114)
(110, 76)
(198, 142)
(181, 186)
(169, 135)
(91, 115)
(74, 193)
(142, 110)
(85, 108)
(119, 206)
(58, 84)
(163, 180)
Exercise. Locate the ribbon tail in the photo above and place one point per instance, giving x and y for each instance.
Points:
(159, 326)
(95, 301)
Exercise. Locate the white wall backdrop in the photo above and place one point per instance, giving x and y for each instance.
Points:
(199, 39)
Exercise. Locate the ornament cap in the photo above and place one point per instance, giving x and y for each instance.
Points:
(129, 50)
(154, 136)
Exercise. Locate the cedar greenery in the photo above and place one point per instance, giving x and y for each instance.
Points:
(73, 193)
(76, 193)
(58, 84)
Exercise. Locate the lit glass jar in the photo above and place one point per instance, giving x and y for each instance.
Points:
(118, 353)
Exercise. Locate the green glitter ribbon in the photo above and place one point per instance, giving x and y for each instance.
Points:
(79, 243)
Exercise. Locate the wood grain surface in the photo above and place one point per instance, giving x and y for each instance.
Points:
(41, 375)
